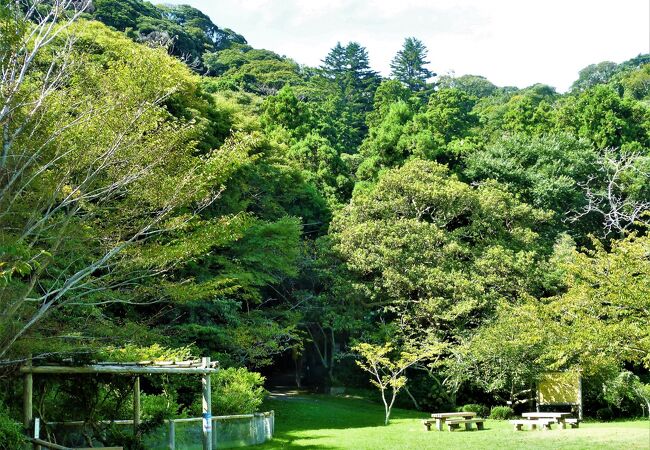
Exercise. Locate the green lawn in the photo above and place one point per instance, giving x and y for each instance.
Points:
(325, 422)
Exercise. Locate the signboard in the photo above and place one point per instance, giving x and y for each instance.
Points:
(560, 388)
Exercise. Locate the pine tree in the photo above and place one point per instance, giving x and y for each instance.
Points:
(348, 68)
(408, 66)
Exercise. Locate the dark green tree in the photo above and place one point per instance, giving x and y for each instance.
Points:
(594, 74)
(601, 115)
(408, 66)
(348, 69)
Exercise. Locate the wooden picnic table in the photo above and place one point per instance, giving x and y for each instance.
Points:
(441, 417)
(558, 417)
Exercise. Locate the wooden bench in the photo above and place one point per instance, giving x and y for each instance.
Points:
(532, 423)
(440, 418)
(455, 424)
(428, 423)
(575, 423)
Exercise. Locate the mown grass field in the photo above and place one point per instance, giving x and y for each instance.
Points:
(325, 422)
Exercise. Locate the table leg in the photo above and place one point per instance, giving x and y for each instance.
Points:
(440, 423)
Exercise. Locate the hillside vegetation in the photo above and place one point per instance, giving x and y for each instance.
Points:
(167, 191)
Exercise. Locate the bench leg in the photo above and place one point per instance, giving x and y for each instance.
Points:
(479, 425)
(533, 426)
(427, 425)
(468, 426)
(517, 427)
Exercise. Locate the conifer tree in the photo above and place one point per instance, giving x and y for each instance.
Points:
(409, 63)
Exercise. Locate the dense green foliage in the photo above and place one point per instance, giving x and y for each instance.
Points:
(187, 31)
(273, 217)
(11, 435)
(236, 391)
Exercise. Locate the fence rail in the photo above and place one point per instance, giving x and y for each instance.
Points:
(185, 434)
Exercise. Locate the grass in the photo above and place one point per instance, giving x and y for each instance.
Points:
(325, 422)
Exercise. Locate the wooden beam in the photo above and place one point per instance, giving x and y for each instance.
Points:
(28, 392)
(136, 405)
(48, 444)
(120, 370)
(207, 407)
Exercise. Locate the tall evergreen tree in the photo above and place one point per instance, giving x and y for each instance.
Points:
(355, 83)
(349, 67)
(409, 63)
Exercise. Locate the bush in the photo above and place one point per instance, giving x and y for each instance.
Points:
(605, 414)
(501, 413)
(235, 391)
(158, 407)
(11, 436)
(480, 410)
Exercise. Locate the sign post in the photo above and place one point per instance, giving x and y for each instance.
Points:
(561, 388)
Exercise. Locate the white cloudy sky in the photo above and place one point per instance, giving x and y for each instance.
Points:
(511, 42)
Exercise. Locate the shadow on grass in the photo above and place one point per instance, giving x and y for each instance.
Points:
(307, 417)
(315, 412)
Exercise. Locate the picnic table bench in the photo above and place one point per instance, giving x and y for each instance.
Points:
(561, 418)
(573, 422)
(453, 424)
(453, 420)
(532, 423)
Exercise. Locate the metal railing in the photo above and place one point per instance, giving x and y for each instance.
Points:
(186, 434)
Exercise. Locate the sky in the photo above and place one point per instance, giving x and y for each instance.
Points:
(511, 42)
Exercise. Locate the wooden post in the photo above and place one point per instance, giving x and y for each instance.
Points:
(172, 435)
(136, 405)
(207, 406)
(28, 392)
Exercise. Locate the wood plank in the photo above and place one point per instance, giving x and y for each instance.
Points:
(543, 415)
(465, 421)
(454, 414)
(28, 395)
(122, 370)
(136, 405)
(49, 445)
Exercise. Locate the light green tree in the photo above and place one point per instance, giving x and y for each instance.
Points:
(627, 385)
(388, 366)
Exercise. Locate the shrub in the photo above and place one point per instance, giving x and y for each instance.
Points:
(480, 410)
(235, 391)
(11, 436)
(155, 407)
(501, 413)
(605, 414)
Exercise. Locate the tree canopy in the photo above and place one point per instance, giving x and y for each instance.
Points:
(169, 191)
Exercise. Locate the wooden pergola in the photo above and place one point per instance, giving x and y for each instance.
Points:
(203, 367)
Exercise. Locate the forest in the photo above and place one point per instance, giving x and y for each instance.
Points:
(167, 191)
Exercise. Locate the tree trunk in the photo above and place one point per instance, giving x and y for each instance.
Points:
(415, 402)
(386, 408)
